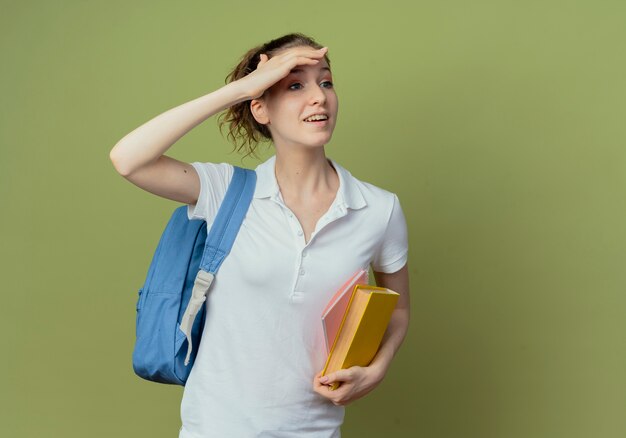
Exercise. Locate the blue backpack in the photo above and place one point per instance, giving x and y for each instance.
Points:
(182, 270)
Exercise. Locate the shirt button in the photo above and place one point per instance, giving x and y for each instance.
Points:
(302, 271)
(300, 233)
(304, 253)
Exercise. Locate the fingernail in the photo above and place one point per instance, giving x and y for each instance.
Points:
(324, 379)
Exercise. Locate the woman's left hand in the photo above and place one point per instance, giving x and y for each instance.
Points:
(355, 382)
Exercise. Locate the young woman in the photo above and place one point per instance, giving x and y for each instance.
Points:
(311, 225)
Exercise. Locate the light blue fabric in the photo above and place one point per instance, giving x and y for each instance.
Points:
(184, 249)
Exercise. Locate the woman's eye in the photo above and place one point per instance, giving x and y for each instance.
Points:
(295, 86)
(327, 84)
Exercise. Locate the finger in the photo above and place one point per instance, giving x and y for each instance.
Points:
(329, 395)
(315, 53)
(320, 52)
(316, 381)
(263, 58)
(324, 390)
(328, 392)
(337, 376)
(305, 49)
(290, 64)
(303, 52)
(304, 60)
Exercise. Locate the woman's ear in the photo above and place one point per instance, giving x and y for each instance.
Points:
(259, 112)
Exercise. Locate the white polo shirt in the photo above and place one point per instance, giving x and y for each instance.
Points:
(263, 341)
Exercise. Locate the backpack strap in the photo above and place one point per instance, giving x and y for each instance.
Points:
(219, 241)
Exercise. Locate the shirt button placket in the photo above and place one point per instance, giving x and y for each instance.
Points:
(301, 272)
(296, 293)
(293, 222)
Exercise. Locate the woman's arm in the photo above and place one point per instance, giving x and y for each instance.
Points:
(359, 381)
(149, 141)
(399, 323)
(138, 156)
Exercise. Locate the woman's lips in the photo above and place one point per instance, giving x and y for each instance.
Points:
(318, 122)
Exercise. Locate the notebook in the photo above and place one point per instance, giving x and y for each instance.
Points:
(362, 329)
(336, 307)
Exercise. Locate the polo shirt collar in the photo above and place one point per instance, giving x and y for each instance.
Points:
(349, 194)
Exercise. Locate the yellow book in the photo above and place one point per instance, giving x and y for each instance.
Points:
(362, 328)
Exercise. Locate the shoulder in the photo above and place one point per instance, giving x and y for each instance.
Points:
(375, 194)
(360, 193)
(214, 181)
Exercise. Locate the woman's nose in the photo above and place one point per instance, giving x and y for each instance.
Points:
(318, 95)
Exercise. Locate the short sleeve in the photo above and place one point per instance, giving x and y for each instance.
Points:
(392, 253)
(214, 181)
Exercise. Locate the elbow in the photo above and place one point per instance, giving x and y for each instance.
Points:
(118, 163)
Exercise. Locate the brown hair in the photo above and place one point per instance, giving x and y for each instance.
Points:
(243, 130)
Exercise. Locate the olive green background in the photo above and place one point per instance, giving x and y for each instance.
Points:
(499, 124)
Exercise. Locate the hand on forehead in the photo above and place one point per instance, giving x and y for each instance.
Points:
(301, 51)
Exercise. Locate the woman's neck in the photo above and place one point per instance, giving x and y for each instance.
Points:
(305, 173)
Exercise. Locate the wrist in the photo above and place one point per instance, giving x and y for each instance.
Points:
(378, 371)
(233, 93)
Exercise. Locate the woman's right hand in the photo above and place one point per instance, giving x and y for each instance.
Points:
(269, 71)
